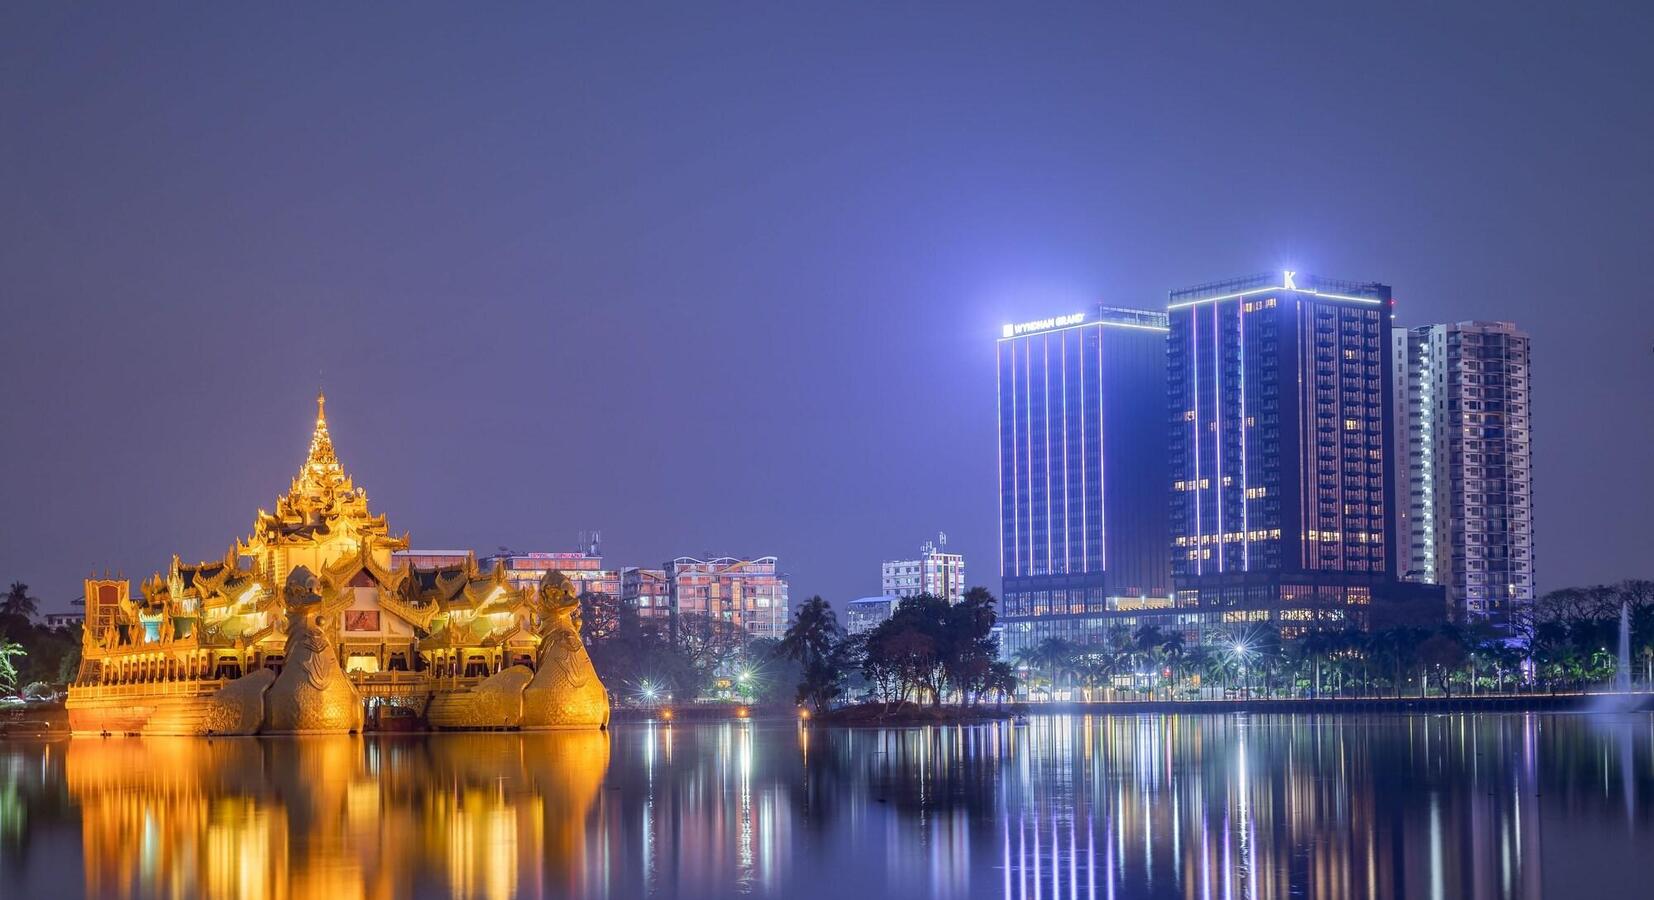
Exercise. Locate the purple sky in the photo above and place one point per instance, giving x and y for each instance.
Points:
(728, 279)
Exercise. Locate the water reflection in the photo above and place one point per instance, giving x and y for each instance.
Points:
(1062, 807)
(337, 817)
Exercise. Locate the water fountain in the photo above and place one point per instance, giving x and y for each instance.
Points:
(1622, 674)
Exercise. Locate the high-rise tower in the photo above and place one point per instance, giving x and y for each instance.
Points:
(1082, 474)
(1283, 509)
(1465, 474)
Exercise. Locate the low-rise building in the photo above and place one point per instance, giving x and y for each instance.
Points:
(867, 613)
(63, 620)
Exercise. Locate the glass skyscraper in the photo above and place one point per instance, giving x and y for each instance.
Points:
(1283, 507)
(1082, 474)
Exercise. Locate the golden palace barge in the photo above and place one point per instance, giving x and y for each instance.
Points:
(308, 625)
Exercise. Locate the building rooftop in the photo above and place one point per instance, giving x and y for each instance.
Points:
(1100, 314)
(1281, 281)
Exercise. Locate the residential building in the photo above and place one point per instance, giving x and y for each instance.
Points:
(935, 572)
(430, 559)
(1465, 475)
(748, 592)
(867, 613)
(1082, 474)
(585, 569)
(648, 591)
(1283, 505)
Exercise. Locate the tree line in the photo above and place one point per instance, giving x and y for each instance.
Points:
(932, 651)
(33, 657)
(1567, 640)
(929, 650)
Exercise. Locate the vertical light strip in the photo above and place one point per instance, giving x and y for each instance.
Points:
(1028, 411)
(1194, 430)
(1306, 427)
(1102, 460)
(1246, 493)
(1045, 400)
(999, 448)
(1085, 493)
(1217, 424)
(1067, 564)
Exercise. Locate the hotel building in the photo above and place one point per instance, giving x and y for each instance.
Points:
(746, 592)
(1465, 475)
(936, 572)
(1283, 506)
(1082, 475)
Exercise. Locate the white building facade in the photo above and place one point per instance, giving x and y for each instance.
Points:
(935, 572)
(1464, 475)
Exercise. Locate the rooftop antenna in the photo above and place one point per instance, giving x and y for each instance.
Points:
(942, 538)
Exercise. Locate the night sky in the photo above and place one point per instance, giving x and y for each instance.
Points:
(728, 279)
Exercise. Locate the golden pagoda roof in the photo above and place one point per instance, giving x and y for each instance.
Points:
(322, 503)
(321, 465)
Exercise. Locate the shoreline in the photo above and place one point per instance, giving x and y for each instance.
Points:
(877, 714)
(46, 721)
(1578, 701)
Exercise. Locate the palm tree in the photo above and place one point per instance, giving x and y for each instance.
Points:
(18, 603)
(814, 630)
(1049, 658)
(1149, 639)
(814, 639)
(1172, 650)
(1312, 651)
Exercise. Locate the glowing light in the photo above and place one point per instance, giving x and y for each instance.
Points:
(1039, 325)
(1265, 290)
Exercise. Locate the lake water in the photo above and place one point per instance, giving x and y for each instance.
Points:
(1218, 806)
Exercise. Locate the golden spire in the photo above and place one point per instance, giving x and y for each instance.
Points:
(321, 466)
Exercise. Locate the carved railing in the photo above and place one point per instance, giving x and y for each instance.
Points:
(386, 684)
(145, 690)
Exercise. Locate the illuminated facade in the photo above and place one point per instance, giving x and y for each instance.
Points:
(1281, 436)
(1082, 470)
(217, 646)
(1465, 477)
(585, 570)
(747, 592)
(935, 572)
(647, 591)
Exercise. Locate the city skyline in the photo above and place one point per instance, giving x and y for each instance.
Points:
(449, 450)
(665, 307)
